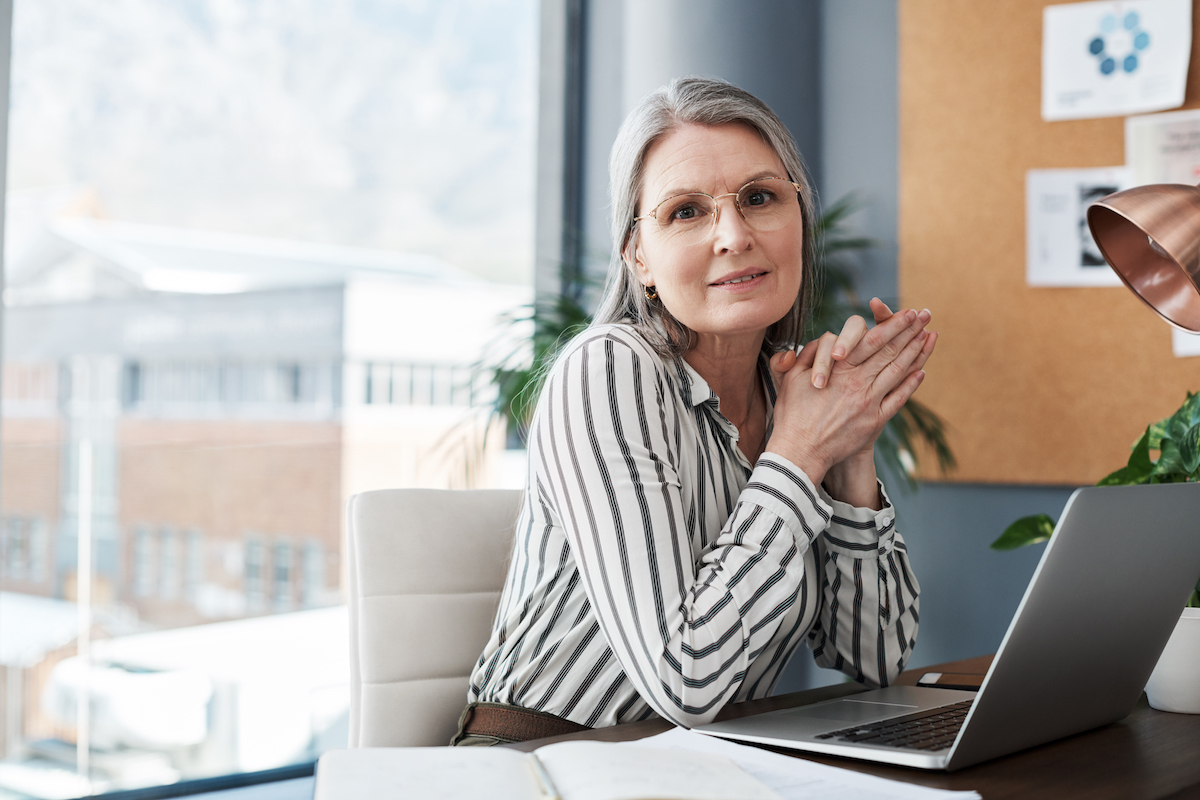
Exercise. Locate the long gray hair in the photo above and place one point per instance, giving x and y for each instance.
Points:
(698, 101)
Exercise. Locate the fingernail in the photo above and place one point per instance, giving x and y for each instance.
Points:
(819, 381)
(921, 375)
(925, 315)
(920, 337)
(839, 352)
(910, 315)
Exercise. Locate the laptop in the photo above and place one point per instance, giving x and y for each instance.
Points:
(1096, 616)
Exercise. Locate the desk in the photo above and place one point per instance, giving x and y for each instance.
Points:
(1149, 754)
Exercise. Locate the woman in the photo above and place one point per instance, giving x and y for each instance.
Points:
(700, 498)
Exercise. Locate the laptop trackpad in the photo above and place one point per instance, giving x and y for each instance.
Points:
(854, 711)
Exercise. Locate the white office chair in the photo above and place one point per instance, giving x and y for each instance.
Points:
(425, 569)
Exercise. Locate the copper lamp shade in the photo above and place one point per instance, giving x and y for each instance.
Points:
(1150, 235)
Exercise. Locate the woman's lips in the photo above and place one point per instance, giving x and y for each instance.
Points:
(740, 282)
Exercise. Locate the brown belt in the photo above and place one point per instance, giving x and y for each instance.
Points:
(514, 724)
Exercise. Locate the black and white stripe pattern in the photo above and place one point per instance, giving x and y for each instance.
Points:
(656, 571)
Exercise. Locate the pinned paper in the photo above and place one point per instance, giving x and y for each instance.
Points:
(1107, 59)
(1060, 250)
(1184, 344)
(1163, 148)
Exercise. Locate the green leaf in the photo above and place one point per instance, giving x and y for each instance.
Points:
(1139, 458)
(1190, 409)
(1189, 450)
(1025, 531)
(1138, 469)
(1170, 462)
(1157, 430)
(1122, 477)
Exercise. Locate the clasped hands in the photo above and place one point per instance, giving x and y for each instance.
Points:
(838, 392)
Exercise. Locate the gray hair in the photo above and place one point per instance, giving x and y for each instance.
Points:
(698, 101)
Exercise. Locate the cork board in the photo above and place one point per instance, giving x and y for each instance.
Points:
(1038, 386)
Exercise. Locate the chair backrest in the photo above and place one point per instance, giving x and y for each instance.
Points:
(425, 570)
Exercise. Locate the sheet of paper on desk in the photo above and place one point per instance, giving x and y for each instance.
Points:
(1107, 59)
(1059, 248)
(795, 778)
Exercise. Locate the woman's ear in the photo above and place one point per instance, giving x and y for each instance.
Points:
(633, 257)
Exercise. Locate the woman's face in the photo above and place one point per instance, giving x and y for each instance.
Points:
(696, 281)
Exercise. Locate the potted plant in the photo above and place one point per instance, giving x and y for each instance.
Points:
(1175, 683)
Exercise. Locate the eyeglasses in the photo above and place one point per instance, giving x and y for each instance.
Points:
(767, 204)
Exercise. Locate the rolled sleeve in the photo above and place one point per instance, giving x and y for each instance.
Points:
(860, 532)
(870, 610)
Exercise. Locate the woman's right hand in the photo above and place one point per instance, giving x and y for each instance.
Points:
(816, 428)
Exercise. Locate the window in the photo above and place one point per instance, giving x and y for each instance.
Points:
(256, 569)
(282, 583)
(193, 566)
(37, 549)
(15, 548)
(143, 562)
(168, 550)
(219, 212)
(314, 575)
(413, 384)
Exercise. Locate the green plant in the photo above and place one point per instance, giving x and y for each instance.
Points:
(837, 299)
(1176, 439)
(518, 366)
(518, 372)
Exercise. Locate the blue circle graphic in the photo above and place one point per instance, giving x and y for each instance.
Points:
(1126, 58)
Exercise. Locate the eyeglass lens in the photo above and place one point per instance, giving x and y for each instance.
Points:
(766, 205)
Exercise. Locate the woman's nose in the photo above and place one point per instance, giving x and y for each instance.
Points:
(731, 233)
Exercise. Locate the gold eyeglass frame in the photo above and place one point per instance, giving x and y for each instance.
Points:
(716, 205)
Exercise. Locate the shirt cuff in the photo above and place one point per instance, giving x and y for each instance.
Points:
(860, 532)
(782, 488)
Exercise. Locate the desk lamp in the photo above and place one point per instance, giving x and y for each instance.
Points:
(1150, 235)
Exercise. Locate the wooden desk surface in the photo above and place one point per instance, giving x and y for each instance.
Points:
(1149, 754)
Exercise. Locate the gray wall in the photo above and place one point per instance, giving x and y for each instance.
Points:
(770, 47)
(829, 69)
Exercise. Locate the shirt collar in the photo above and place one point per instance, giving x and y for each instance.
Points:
(696, 390)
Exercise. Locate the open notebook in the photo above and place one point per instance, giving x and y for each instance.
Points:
(675, 764)
(569, 770)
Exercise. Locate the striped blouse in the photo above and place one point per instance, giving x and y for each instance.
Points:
(656, 570)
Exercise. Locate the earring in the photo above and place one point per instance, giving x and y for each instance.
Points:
(651, 292)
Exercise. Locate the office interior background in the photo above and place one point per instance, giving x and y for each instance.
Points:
(254, 255)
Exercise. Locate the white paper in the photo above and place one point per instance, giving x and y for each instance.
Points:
(1184, 344)
(1107, 59)
(583, 770)
(798, 778)
(1163, 148)
(1059, 248)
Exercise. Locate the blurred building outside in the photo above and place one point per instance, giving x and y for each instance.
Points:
(235, 391)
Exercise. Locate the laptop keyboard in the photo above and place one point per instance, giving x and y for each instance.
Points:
(925, 730)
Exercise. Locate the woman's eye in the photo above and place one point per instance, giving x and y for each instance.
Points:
(684, 213)
(758, 197)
